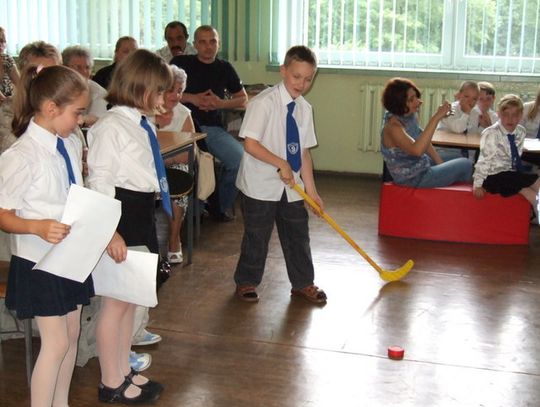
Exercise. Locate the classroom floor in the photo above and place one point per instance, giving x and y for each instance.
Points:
(466, 315)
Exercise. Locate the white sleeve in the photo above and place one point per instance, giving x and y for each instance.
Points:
(488, 151)
(15, 179)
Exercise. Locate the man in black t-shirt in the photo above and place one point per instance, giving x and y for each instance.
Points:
(208, 79)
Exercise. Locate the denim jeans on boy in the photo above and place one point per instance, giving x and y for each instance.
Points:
(229, 151)
(291, 219)
(441, 175)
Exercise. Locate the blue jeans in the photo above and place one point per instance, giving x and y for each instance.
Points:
(441, 175)
(291, 219)
(229, 151)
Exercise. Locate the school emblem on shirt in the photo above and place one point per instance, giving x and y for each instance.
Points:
(164, 185)
(292, 148)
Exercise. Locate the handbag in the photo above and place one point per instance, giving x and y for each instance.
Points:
(206, 178)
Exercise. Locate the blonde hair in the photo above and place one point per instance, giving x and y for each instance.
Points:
(509, 101)
(536, 105)
(468, 85)
(138, 79)
(38, 49)
(58, 83)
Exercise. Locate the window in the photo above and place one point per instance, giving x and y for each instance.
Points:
(432, 35)
(97, 24)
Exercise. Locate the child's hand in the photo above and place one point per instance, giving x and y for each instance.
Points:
(286, 174)
(117, 248)
(484, 120)
(479, 192)
(318, 200)
(51, 230)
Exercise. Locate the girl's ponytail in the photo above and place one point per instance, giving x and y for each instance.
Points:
(22, 111)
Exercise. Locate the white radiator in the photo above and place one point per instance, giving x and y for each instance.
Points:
(372, 111)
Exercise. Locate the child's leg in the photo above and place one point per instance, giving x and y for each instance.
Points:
(530, 194)
(259, 219)
(175, 225)
(111, 332)
(292, 225)
(66, 368)
(54, 346)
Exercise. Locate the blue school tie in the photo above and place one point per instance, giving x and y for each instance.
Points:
(516, 159)
(538, 133)
(294, 157)
(160, 167)
(62, 150)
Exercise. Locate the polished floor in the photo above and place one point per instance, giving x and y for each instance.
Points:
(466, 315)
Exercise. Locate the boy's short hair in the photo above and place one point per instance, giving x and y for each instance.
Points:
(394, 97)
(137, 80)
(487, 87)
(38, 49)
(509, 101)
(468, 85)
(204, 28)
(300, 53)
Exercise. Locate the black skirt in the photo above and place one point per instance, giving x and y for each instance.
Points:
(508, 183)
(32, 293)
(137, 224)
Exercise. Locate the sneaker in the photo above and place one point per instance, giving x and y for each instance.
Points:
(147, 339)
(139, 361)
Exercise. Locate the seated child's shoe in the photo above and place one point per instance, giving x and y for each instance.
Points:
(140, 361)
(247, 293)
(312, 293)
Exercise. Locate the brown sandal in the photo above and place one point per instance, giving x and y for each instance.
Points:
(312, 293)
(247, 293)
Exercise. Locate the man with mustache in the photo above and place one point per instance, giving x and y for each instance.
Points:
(176, 35)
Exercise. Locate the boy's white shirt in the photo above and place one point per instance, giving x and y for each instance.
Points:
(265, 122)
(458, 122)
(473, 126)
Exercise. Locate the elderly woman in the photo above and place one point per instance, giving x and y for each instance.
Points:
(80, 59)
(176, 117)
(406, 147)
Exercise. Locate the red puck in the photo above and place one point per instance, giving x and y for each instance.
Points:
(396, 352)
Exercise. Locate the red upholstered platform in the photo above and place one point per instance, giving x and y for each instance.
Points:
(453, 214)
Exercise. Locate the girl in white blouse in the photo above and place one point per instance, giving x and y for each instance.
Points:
(35, 176)
(121, 164)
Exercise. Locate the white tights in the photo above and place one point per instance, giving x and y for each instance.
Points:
(52, 373)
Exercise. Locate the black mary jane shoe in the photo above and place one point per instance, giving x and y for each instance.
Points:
(117, 395)
(150, 386)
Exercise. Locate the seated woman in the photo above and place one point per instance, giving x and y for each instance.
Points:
(406, 148)
(176, 117)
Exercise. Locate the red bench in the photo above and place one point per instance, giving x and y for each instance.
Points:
(453, 214)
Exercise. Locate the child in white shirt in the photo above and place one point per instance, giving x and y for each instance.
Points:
(498, 169)
(483, 115)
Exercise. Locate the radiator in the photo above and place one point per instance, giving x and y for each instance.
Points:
(372, 111)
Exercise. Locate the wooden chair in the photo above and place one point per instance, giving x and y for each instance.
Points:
(27, 330)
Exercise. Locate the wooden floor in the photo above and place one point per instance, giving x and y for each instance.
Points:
(467, 316)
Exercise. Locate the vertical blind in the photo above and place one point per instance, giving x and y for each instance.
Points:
(449, 35)
(97, 24)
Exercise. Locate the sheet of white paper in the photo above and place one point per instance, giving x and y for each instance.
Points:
(133, 280)
(93, 218)
(532, 144)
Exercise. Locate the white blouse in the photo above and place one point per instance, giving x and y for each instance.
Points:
(34, 181)
(119, 153)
